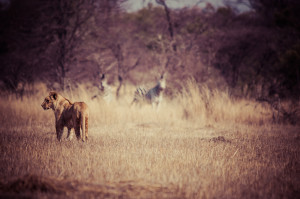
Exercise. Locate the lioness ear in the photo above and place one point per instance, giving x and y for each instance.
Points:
(53, 95)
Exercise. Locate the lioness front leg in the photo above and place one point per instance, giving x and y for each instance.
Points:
(59, 132)
(77, 132)
(69, 135)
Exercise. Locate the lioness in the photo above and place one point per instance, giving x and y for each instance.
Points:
(68, 114)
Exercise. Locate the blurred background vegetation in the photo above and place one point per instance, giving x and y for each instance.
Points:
(253, 54)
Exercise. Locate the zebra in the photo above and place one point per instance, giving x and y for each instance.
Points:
(105, 91)
(153, 96)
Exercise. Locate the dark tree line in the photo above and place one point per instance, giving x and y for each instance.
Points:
(257, 53)
(42, 40)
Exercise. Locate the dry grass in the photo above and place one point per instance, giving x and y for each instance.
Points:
(202, 144)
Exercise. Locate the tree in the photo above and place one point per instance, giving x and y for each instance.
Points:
(20, 44)
(46, 39)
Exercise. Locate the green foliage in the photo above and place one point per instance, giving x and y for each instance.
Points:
(224, 11)
(146, 19)
(290, 70)
(195, 26)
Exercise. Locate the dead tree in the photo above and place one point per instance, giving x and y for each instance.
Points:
(170, 23)
(122, 69)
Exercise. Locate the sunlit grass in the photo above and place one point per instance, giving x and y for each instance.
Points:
(200, 144)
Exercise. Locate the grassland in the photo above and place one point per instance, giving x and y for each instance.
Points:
(201, 144)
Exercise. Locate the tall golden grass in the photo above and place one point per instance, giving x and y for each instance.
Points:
(200, 144)
(193, 104)
(210, 106)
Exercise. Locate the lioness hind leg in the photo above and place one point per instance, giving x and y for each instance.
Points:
(86, 127)
(83, 125)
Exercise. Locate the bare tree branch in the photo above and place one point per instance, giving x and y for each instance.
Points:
(167, 11)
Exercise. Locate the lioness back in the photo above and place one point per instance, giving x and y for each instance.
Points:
(81, 107)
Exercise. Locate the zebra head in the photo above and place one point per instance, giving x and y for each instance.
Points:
(162, 81)
(103, 82)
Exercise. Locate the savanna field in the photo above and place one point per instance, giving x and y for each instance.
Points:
(201, 143)
(228, 125)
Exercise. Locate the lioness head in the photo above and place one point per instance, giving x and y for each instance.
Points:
(49, 101)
